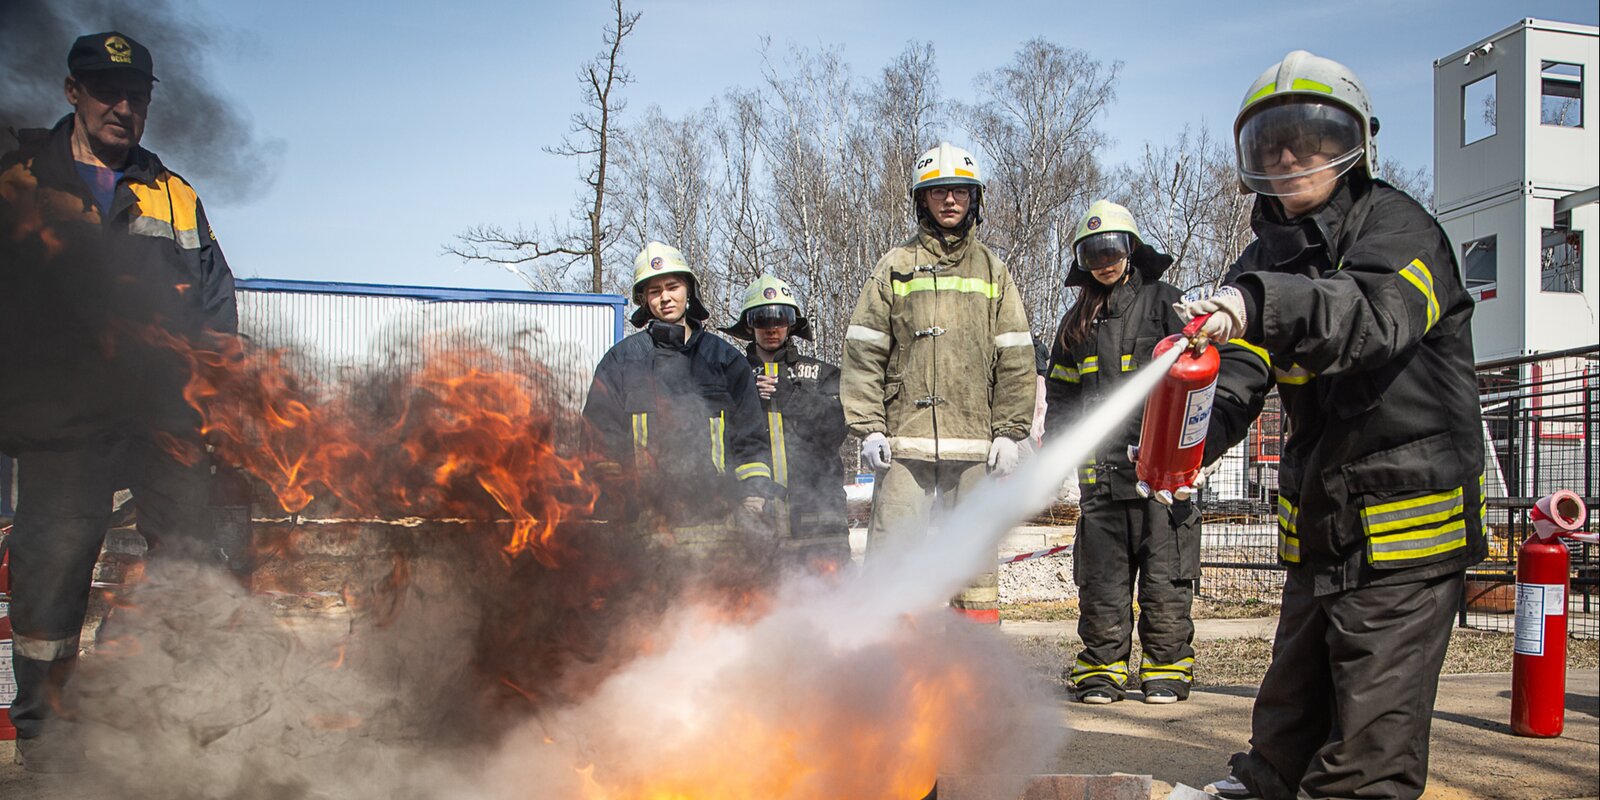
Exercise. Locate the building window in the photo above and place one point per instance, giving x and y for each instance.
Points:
(1478, 110)
(1561, 94)
(1561, 257)
(1478, 262)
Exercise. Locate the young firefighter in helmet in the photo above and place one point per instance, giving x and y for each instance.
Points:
(1123, 309)
(805, 421)
(938, 373)
(1351, 303)
(675, 408)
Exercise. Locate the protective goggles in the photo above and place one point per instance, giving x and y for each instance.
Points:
(1102, 250)
(772, 316)
(1280, 143)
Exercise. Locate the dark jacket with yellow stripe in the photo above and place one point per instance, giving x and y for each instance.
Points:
(1136, 316)
(1358, 315)
(805, 427)
(82, 295)
(683, 418)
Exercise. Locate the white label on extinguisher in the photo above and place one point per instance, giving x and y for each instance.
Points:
(1535, 601)
(1197, 415)
(8, 678)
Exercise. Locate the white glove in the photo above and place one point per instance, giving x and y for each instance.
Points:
(1069, 492)
(1226, 308)
(1003, 456)
(875, 451)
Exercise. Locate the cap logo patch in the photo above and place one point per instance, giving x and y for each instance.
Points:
(769, 293)
(1093, 224)
(119, 50)
(655, 263)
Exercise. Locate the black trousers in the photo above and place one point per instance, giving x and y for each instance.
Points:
(1123, 545)
(1346, 706)
(63, 507)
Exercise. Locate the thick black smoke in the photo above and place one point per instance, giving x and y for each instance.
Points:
(196, 129)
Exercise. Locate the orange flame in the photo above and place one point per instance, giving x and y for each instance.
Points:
(471, 434)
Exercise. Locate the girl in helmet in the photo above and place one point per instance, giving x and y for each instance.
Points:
(1125, 542)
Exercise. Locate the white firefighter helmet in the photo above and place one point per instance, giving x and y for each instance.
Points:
(655, 260)
(948, 165)
(945, 165)
(769, 301)
(1308, 105)
(1105, 235)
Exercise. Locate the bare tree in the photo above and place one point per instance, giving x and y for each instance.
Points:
(1037, 126)
(1185, 197)
(550, 253)
(1415, 181)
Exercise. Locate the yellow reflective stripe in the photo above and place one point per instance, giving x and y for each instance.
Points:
(1127, 362)
(1061, 373)
(1083, 669)
(780, 457)
(1288, 526)
(948, 283)
(1181, 665)
(641, 431)
(1294, 376)
(928, 175)
(718, 455)
(1260, 352)
(1412, 512)
(754, 469)
(1483, 501)
(1417, 274)
(1090, 364)
(169, 209)
(1260, 93)
(1306, 84)
(1086, 475)
(962, 173)
(1420, 543)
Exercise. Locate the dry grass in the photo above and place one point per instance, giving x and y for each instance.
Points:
(1059, 610)
(1242, 662)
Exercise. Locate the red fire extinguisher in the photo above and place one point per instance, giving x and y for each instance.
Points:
(1172, 440)
(8, 678)
(1539, 660)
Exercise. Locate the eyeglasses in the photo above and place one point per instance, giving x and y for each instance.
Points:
(1300, 144)
(958, 192)
(112, 94)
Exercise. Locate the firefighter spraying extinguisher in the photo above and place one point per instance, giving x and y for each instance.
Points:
(1172, 441)
(8, 677)
(1539, 661)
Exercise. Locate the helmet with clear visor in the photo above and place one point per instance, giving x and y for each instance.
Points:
(1281, 144)
(1103, 249)
(1304, 116)
(769, 302)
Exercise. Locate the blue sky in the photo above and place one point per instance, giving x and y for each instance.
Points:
(401, 128)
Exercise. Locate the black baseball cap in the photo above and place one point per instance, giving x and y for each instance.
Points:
(100, 52)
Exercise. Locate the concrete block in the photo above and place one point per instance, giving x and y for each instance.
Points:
(1045, 787)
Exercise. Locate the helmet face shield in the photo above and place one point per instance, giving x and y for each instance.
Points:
(771, 316)
(1282, 143)
(1102, 250)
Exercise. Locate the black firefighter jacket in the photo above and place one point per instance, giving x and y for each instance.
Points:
(1137, 315)
(1358, 315)
(85, 299)
(805, 427)
(682, 419)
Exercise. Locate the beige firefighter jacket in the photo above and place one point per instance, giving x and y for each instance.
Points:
(938, 355)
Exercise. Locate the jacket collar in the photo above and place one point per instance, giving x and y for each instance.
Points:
(1285, 240)
(785, 355)
(946, 248)
(670, 336)
(53, 165)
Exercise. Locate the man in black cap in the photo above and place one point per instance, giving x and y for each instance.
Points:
(104, 254)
